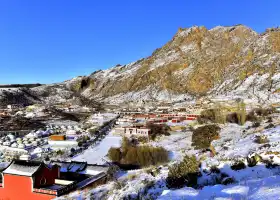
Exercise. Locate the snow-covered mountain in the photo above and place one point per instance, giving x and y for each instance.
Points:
(227, 61)
(232, 61)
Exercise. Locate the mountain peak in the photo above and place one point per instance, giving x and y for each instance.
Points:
(230, 61)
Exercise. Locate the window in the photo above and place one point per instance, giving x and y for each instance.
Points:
(43, 181)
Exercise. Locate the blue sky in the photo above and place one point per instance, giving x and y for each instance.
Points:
(50, 41)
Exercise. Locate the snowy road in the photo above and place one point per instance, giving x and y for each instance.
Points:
(95, 154)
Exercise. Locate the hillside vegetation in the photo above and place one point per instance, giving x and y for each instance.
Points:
(222, 61)
(198, 62)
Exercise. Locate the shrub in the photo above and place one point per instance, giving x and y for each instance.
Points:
(131, 176)
(148, 170)
(114, 154)
(256, 124)
(155, 171)
(253, 160)
(269, 164)
(92, 131)
(224, 175)
(158, 129)
(212, 150)
(134, 155)
(215, 169)
(261, 139)
(125, 145)
(269, 126)
(264, 111)
(148, 155)
(238, 165)
(206, 116)
(142, 139)
(204, 135)
(232, 118)
(80, 144)
(251, 117)
(214, 115)
(269, 120)
(241, 113)
(184, 173)
(228, 180)
(259, 111)
(267, 145)
(131, 156)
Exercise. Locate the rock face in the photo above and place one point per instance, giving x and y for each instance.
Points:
(223, 61)
(230, 61)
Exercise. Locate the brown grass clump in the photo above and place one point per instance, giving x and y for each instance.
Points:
(261, 139)
(274, 38)
(272, 152)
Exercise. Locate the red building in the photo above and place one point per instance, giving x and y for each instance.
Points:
(192, 117)
(30, 180)
(176, 120)
(23, 180)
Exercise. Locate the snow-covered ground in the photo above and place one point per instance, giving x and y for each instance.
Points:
(177, 144)
(260, 189)
(235, 143)
(96, 154)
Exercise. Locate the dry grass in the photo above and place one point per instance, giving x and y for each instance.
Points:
(177, 128)
(131, 177)
(272, 152)
(274, 38)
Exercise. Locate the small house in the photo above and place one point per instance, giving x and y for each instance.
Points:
(133, 131)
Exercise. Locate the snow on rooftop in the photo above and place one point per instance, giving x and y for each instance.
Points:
(22, 168)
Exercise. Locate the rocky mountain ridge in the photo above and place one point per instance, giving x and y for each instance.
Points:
(223, 61)
(229, 62)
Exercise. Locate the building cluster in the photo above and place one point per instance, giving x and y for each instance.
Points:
(37, 180)
(74, 108)
(9, 110)
(26, 142)
(136, 124)
(66, 133)
(25, 147)
(35, 143)
(99, 119)
(133, 131)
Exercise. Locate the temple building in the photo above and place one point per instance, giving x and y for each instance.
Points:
(38, 181)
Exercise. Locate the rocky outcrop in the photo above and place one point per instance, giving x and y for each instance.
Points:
(228, 61)
(232, 61)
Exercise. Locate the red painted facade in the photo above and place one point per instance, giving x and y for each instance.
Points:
(33, 180)
(47, 174)
(17, 187)
(176, 120)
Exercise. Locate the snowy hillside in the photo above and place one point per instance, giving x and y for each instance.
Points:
(224, 61)
(232, 62)
(220, 175)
